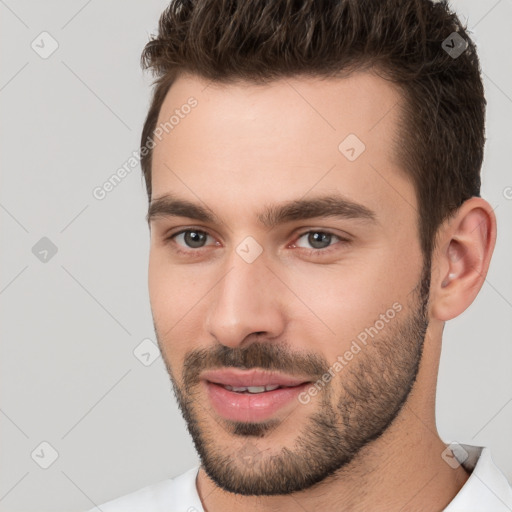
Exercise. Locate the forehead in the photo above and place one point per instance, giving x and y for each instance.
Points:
(242, 144)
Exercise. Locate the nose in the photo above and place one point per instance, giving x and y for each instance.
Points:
(245, 302)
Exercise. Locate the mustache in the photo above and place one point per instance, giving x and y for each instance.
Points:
(261, 355)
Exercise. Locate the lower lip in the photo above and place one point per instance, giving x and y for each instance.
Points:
(251, 407)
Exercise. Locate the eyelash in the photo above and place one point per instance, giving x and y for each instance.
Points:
(309, 252)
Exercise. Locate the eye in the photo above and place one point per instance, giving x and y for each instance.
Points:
(191, 238)
(317, 239)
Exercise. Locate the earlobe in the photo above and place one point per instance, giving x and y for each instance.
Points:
(464, 253)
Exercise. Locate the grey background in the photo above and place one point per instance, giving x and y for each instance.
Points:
(70, 325)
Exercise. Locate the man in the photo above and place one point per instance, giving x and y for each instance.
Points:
(313, 178)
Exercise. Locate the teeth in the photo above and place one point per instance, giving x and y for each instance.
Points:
(256, 389)
(252, 389)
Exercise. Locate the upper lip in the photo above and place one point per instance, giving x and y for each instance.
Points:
(250, 378)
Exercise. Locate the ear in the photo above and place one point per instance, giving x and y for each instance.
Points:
(465, 243)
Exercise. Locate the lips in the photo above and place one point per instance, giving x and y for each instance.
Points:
(250, 378)
(251, 396)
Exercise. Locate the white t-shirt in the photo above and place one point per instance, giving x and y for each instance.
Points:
(486, 490)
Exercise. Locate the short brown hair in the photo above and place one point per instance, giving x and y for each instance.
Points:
(443, 112)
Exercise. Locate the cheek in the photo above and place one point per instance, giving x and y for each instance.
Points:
(348, 298)
(170, 293)
(178, 300)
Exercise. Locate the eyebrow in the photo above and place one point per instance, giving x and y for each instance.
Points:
(273, 215)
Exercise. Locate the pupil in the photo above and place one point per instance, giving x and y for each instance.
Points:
(319, 240)
(194, 238)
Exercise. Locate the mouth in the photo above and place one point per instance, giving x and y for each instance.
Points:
(251, 396)
(254, 390)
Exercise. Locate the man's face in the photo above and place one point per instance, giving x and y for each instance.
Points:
(325, 298)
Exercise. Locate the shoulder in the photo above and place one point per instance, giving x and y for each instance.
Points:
(178, 494)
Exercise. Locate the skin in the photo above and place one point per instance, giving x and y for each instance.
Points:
(247, 146)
